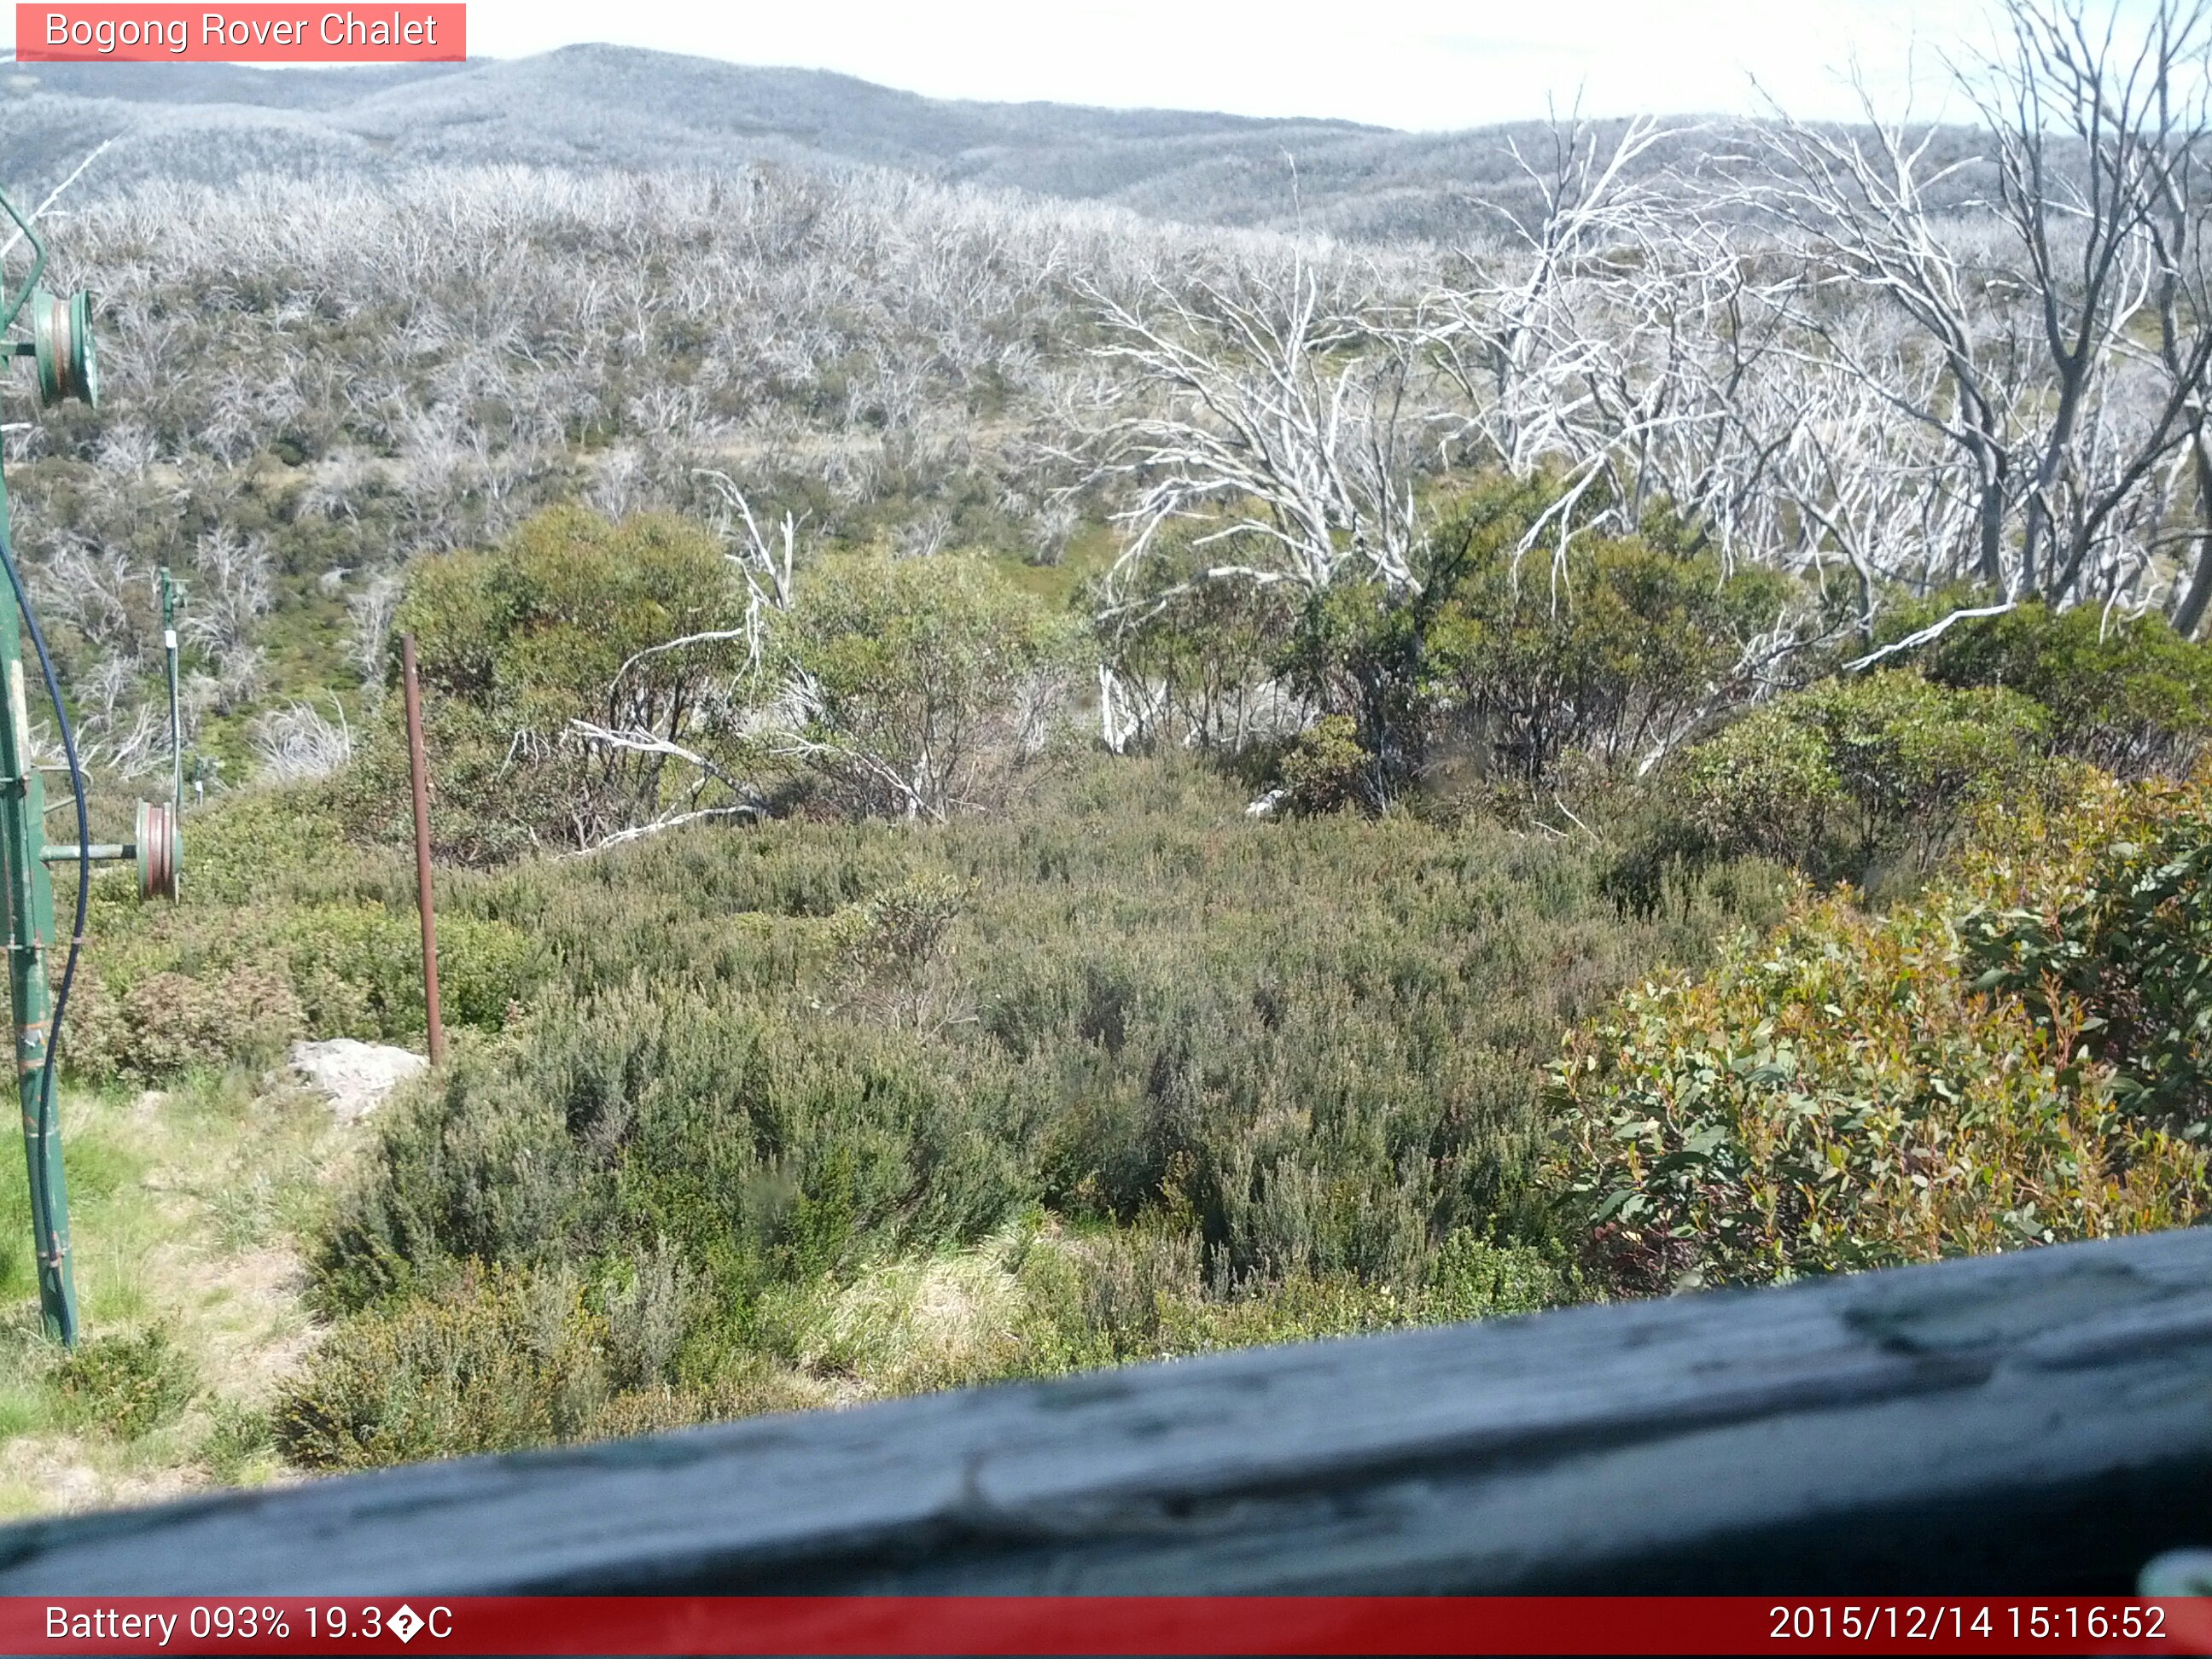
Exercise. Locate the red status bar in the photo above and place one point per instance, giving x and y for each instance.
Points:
(892, 1624)
(256, 33)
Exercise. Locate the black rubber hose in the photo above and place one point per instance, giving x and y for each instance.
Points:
(83, 846)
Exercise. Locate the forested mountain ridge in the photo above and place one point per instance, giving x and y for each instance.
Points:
(612, 106)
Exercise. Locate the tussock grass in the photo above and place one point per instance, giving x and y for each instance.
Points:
(186, 1208)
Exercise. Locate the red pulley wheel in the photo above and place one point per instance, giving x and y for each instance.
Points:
(160, 850)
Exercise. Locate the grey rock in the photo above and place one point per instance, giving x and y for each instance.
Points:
(357, 1077)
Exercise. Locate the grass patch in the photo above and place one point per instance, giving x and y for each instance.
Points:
(185, 1209)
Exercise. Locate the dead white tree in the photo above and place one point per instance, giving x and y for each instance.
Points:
(2053, 276)
(706, 774)
(1608, 339)
(650, 724)
(299, 743)
(1510, 331)
(1271, 412)
(1858, 205)
(369, 613)
(764, 563)
(1853, 491)
(2097, 131)
(56, 194)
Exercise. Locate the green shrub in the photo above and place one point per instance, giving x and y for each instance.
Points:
(899, 931)
(1488, 647)
(1196, 659)
(500, 1360)
(2125, 693)
(211, 985)
(1611, 650)
(243, 843)
(1258, 1080)
(925, 681)
(171, 1023)
(358, 969)
(1912, 758)
(1325, 769)
(1763, 786)
(2124, 948)
(239, 1437)
(283, 930)
(1115, 1297)
(482, 1166)
(1836, 777)
(491, 1362)
(1841, 1095)
(1476, 1277)
(563, 620)
(889, 942)
(1129, 1295)
(126, 1385)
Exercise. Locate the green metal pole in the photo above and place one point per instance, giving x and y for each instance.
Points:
(30, 903)
(101, 852)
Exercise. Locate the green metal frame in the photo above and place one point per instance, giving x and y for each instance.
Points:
(9, 312)
(30, 901)
(67, 366)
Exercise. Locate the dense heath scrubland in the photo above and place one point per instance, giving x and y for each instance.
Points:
(1021, 786)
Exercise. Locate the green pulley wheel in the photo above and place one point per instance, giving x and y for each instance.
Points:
(160, 850)
(61, 336)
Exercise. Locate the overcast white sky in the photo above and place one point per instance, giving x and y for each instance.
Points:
(1431, 64)
(1422, 63)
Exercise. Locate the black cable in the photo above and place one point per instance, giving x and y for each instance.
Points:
(83, 852)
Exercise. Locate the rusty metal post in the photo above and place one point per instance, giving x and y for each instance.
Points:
(420, 775)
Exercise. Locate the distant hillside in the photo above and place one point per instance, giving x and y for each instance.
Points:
(613, 106)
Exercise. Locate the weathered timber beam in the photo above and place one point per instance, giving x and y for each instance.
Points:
(2034, 1423)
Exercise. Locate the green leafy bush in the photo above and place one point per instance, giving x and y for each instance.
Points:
(1842, 1095)
(1324, 769)
(358, 969)
(564, 620)
(922, 681)
(1473, 1276)
(2125, 693)
(1196, 659)
(889, 942)
(496, 1360)
(214, 986)
(1609, 652)
(2127, 942)
(1911, 757)
(1833, 778)
(1491, 649)
(899, 931)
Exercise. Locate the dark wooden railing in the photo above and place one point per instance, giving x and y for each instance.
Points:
(2033, 1423)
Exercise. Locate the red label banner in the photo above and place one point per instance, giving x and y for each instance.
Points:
(259, 33)
(893, 1625)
